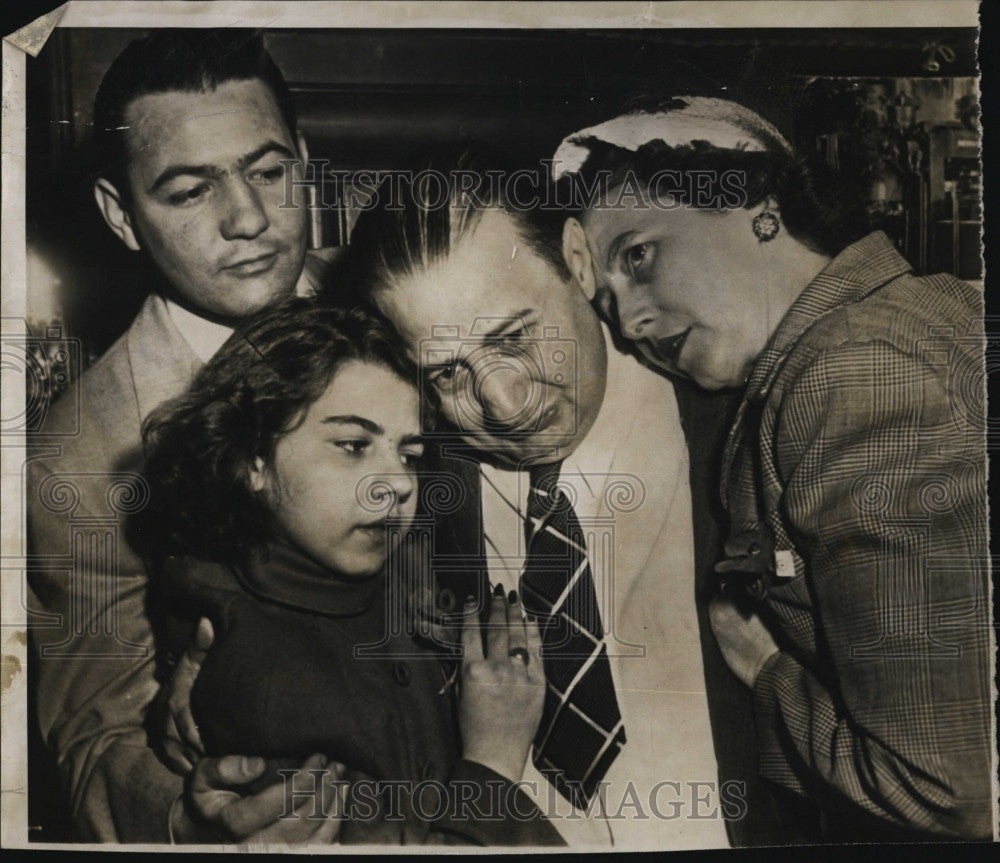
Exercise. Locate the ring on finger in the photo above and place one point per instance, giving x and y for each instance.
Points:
(520, 653)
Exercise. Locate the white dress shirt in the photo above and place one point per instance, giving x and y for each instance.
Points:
(630, 475)
(206, 337)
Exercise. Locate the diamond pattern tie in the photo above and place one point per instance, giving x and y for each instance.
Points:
(581, 731)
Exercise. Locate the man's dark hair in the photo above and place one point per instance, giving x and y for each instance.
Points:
(202, 446)
(416, 217)
(188, 60)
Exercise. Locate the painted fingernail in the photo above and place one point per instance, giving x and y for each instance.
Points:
(498, 590)
(512, 597)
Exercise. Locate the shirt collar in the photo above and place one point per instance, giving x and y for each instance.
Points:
(627, 393)
(205, 337)
(161, 360)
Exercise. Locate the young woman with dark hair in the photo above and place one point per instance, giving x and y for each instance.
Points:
(280, 483)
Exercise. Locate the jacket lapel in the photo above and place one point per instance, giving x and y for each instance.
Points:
(161, 361)
(860, 269)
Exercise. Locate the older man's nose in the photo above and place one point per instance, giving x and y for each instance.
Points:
(504, 391)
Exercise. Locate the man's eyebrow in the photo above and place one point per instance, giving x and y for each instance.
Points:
(615, 247)
(505, 324)
(352, 419)
(263, 150)
(411, 439)
(175, 171)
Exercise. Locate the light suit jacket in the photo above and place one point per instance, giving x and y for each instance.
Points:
(92, 635)
(87, 584)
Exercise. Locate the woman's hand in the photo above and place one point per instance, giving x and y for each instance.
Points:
(502, 693)
(744, 640)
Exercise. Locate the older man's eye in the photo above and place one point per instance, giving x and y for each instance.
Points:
(442, 377)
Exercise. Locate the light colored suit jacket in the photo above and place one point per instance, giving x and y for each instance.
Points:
(94, 647)
(87, 584)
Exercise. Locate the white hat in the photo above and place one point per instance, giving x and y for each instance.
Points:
(721, 123)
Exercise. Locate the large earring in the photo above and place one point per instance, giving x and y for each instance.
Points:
(765, 226)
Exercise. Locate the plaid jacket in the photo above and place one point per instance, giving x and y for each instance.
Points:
(857, 463)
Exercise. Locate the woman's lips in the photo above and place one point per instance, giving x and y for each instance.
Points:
(374, 532)
(669, 349)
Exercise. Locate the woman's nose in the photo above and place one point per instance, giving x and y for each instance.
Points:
(634, 315)
(390, 489)
(244, 217)
(403, 485)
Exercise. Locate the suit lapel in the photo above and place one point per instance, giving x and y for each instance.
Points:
(161, 362)
(459, 548)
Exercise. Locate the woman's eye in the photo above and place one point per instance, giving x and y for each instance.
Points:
(636, 256)
(411, 459)
(353, 446)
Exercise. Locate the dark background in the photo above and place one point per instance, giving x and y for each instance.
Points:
(366, 97)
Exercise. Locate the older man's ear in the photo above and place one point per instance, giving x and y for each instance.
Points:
(109, 202)
(576, 254)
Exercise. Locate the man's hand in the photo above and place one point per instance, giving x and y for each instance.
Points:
(215, 806)
(180, 743)
(212, 810)
(745, 642)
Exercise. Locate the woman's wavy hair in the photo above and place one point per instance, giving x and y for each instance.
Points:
(201, 447)
(817, 207)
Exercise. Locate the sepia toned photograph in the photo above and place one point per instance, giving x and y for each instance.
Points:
(504, 426)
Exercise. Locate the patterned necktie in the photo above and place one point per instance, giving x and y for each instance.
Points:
(581, 731)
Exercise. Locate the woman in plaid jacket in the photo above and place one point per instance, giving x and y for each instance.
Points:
(854, 598)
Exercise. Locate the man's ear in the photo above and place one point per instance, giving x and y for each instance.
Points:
(577, 256)
(109, 202)
(300, 140)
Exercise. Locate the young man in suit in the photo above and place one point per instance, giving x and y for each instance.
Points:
(197, 133)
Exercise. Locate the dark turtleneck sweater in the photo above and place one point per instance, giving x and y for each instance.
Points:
(304, 661)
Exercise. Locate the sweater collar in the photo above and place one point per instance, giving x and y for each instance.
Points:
(286, 576)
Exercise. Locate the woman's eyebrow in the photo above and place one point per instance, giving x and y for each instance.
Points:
(352, 419)
(616, 245)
